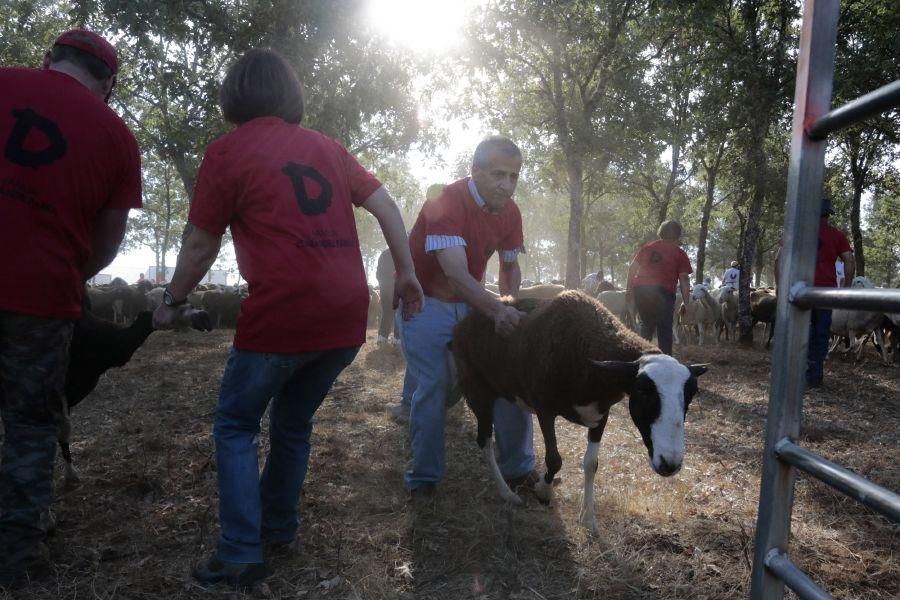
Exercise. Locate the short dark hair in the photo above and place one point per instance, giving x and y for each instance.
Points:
(261, 83)
(669, 230)
(494, 144)
(97, 69)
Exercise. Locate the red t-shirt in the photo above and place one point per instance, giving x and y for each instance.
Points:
(66, 156)
(832, 243)
(660, 262)
(288, 193)
(455, 213)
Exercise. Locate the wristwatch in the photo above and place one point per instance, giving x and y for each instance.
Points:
(169, 299)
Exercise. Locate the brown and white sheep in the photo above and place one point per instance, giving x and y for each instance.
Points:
(571, 357)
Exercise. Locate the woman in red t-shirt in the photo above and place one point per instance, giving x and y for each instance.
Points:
(287, 194)
(657, 269)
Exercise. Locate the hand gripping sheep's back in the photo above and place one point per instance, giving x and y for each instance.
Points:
(570, 357)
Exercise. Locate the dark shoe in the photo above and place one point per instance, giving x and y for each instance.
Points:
(814, 383)
(274, 549)
(524, 482)
(244, 575)
(34, 564)
(422, 493)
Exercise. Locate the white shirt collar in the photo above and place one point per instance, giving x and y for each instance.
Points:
(474, 191)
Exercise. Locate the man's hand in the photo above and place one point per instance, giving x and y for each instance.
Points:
(506, 319)
(408, 289)
(168, 317)
(682, 310)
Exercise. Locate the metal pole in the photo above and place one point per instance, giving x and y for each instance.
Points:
(873, 103)
(812, 99)
(796, 579)
(880, 300)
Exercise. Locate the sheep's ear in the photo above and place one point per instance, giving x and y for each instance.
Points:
(618, 367)
(697, 370)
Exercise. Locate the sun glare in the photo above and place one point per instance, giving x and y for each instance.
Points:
(432, 26)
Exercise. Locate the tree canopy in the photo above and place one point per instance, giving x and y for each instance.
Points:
(630, 112)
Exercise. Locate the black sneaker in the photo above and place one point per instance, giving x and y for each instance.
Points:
(273, 549)
(424, 492)
(243, 575)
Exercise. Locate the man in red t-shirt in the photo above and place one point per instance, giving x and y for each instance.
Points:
(287, 193)
(658, 268)
(68, 176)
(833, 244)
(451, 242)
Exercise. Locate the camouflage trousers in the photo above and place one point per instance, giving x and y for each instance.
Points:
(34, 355)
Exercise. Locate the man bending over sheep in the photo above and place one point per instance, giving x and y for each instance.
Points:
(451, 242)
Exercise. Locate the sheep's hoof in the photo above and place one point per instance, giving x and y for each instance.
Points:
(512, 497)
(589, 522)
(71, 479)
(543, 491)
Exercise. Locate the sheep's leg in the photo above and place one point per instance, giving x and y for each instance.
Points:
(484, 416)
(879, 338)
(544, 488)
(494, 471)
(591, 463)
(71, 476)
(834, 344)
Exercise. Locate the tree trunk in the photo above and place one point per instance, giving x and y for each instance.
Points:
(856, 230)
(748, 253)
(576, 214)
(712, 171)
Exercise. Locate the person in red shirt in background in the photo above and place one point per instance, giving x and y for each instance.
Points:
(833, 244)
(288, 194)
(70, 172)
(657, 270)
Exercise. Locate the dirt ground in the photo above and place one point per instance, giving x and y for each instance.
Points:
(145, 510)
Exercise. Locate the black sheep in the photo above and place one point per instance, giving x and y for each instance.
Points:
(99, 345)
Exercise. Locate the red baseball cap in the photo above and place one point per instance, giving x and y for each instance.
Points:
(93, 44)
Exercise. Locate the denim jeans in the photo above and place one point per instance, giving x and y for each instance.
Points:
(255, 508)
(819, 335)
(409, 381)
(425, 338)
(656, 306)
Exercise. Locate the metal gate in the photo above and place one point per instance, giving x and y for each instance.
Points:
(772, 568)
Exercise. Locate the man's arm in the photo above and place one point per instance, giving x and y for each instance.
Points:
(849, 268)
(109, 230)
(685, 285)
(384, 209)
(455, 265)
(197, 255)
(510, 278)
(632, 273)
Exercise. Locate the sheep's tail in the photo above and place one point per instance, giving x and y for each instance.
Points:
(454, 392)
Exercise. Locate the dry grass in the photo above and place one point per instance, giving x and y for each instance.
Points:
(146, 508)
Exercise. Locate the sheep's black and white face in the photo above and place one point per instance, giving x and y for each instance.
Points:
(662, 391)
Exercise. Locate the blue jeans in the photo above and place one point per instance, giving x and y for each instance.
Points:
(254, 509)
(425, 338)
(409, 381)
(819, 335)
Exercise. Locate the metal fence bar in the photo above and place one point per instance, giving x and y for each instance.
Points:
(886, 300)
(812, 99)
(885, 97)
(859, 488)
(797, 580)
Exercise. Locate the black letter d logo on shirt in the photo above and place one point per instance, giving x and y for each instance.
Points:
(15, 145)
(309, 206)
